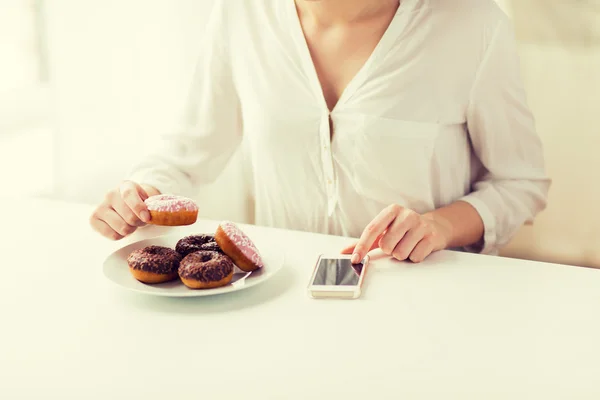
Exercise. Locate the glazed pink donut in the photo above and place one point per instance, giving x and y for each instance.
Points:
(238, 246)
(171, 210)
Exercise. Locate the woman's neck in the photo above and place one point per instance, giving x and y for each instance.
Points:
(336, 12)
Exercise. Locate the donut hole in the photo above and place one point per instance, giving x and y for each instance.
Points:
(195, 241)
(206, 257)
(155, 250)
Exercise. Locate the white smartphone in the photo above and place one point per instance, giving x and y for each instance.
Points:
(335, 276)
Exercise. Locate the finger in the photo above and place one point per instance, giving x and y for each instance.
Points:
(407, 220)
(117, 223)
(423, 249)
(104, 229)
(375, 228)
(350, 249)
(133, 195)
(125, 212)
(409, 241)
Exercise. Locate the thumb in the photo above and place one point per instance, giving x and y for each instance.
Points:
(134, 196)
(142, 192)
(146, 191)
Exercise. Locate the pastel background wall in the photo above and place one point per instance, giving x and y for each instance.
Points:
(118, 73)
(560, 52)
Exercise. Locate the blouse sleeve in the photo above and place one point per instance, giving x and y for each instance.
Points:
(210, 131)
(514, 186)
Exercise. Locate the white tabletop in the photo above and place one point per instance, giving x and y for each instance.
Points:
(459, 326)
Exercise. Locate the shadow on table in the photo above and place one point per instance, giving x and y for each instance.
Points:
(247, 298)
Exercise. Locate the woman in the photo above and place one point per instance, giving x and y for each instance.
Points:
(404, 123)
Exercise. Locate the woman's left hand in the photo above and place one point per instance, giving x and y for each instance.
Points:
(402, 234)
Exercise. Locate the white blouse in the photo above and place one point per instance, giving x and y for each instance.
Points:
(437, 114)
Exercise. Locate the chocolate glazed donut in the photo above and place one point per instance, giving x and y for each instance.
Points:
(193, 243)
(154, 264)
(206, 270)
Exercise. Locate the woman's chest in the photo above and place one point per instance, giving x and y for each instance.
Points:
(276, 83)
(402, 97)
(339, 52)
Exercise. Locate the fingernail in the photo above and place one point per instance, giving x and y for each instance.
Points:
(355, 258)
(145, 216)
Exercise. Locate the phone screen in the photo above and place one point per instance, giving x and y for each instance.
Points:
(337, 272)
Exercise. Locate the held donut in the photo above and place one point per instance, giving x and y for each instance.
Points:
(171, 210)
(206, 270)
(154, 264)
(238, 246)
(193, 243)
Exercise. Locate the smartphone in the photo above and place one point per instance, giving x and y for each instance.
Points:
(335, 276)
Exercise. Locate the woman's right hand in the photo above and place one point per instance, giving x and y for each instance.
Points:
(122, 211)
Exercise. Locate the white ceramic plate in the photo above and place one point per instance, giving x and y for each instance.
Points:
(117, 270)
